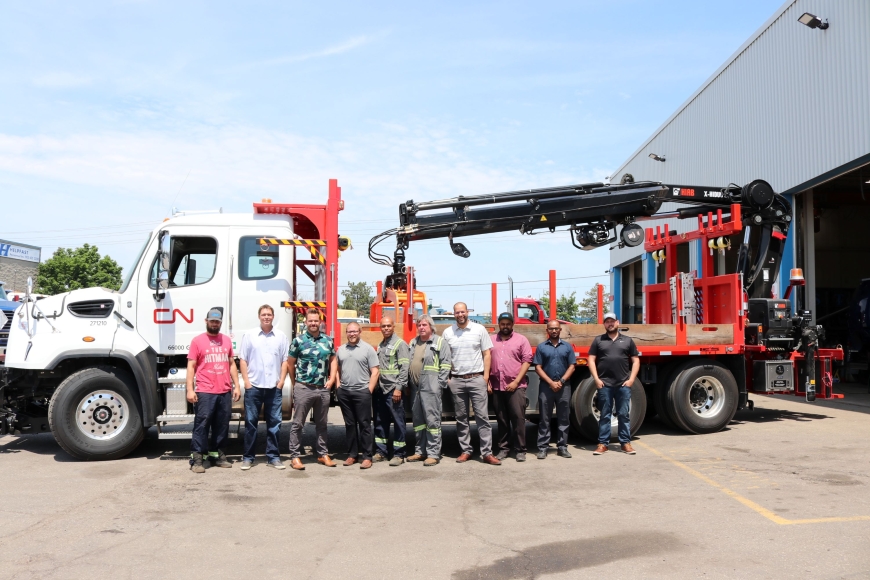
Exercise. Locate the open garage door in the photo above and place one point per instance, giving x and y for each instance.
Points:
(840, 229)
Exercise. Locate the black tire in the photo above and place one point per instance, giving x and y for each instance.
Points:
(660, 395)
(703, 397)
(94, 414)
(584, 420)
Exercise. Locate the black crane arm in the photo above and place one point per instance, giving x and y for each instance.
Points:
(592, 213)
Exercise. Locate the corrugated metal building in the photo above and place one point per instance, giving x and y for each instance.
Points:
(792, 107)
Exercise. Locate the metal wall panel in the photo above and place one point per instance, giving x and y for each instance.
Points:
(791, 104)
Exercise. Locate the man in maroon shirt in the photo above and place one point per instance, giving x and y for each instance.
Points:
(511, 358)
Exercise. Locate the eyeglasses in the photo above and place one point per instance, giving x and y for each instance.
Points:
(353, 331)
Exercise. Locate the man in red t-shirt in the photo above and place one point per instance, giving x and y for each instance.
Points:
(210, 359)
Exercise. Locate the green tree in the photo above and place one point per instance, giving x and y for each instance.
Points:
(567, 307)
(358, 296)
(69, 269)
(589, 305)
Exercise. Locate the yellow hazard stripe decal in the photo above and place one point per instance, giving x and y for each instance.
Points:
(282, 242)
(303, 304)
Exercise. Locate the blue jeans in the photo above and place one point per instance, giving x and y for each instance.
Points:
(607, 396)
(270, 400)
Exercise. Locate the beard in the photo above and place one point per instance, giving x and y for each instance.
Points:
(210, 331)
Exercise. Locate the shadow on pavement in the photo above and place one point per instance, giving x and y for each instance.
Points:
(560, 557)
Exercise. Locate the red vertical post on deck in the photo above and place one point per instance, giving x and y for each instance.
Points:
(553, 295)
(601, 304)
(494, 303)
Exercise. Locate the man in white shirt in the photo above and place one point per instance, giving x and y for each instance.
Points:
(471, 348)
(263, 359)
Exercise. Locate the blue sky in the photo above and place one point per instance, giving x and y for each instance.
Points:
(107, 108)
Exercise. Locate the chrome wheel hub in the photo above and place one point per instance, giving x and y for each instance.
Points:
(101, 415)
(707, 396)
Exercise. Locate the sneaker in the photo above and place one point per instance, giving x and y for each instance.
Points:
(247, 464)
(600, 450)
(542, 454)
(563, 452)
(377, 458)
(502, 455)
(196, 463)
(430, 461)
(276, 463)
(521, 456)
(396, 461)
(627, 448)
(222, 460)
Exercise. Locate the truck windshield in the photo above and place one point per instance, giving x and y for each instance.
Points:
(129, 273)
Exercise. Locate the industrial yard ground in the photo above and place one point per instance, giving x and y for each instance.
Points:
(784, 491)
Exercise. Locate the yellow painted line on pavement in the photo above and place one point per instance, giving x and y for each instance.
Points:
(748, 502)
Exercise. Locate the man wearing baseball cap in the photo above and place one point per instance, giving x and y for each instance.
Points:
(210, 359)
(614, 362)
(511, 358)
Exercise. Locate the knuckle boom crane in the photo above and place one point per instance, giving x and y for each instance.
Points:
(724, 335)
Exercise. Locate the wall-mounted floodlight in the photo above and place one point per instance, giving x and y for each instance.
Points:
(655, 157)
(813, 21)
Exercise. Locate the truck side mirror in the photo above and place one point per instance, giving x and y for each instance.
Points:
(164, 262)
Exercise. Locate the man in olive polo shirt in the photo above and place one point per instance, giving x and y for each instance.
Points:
(614, 362)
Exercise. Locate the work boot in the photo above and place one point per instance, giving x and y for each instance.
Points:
(600, 450)
(222, 461)
(430, 462)
(503, 454)
(196, 463)
(563, 452)
(396, 461)
(377, 458)
(627, 448)
(542, 454)
(415, 457)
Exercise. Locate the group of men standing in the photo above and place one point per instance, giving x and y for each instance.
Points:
(371, 386)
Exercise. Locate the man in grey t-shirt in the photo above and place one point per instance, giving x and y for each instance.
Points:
(358, 376)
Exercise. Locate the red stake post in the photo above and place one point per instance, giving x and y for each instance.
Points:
(494, 318)
(601, 304)
(553, 295)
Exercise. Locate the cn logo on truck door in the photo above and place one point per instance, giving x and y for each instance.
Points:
(167, 316)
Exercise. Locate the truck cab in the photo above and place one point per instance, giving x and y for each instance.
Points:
(104, 365)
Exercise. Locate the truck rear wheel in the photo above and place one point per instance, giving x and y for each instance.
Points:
(585, 413)
(703, 397)
(93, 414)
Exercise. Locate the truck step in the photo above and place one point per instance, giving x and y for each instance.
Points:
(172, 380)
(189, 418)
(188, 434)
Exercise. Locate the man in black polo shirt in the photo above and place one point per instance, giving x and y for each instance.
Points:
(609, 358)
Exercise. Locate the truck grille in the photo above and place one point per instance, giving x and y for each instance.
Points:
(92, 308)
(4, 332)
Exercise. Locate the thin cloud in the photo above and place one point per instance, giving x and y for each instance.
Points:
(61, 80)
(346, 46)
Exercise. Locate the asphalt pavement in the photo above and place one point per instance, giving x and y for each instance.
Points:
(782, 492)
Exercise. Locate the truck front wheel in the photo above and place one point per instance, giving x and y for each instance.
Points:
(585, 413)
(93, 414)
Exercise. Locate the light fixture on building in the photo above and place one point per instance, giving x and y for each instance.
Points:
(656, 157)
(813, 21)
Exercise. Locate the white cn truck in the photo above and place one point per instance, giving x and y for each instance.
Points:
(98, 367)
